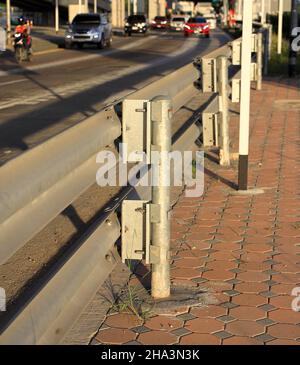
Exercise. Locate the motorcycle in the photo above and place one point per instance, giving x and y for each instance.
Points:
(22, 50)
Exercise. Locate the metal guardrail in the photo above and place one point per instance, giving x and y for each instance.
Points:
(45, 180)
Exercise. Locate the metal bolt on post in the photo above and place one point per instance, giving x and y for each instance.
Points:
(161, 112)
(222, 66)
(259, 61)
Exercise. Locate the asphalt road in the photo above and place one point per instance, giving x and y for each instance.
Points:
(59, 89)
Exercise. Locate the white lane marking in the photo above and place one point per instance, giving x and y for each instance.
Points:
(12, 82)
(104, 53)
(85, 85)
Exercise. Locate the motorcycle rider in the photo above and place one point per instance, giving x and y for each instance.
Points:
(22, 29)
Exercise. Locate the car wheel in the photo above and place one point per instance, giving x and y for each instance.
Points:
(68, 45)
(186, 34)
(207, 35)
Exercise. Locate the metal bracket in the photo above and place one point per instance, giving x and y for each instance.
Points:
(209, 75)
(137, 217)
(136, 126)
(236, 47)
(210, 121)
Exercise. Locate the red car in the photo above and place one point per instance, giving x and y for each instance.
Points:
(198, 26)
(160, 22)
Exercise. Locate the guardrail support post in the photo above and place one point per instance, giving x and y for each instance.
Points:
(222, 67)
(161, 112)
(259, 61)
(245, 96)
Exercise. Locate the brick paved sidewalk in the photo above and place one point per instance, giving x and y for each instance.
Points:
(244, 249)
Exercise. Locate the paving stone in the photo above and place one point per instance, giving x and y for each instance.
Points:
(264, 337)
(223, 334)
(181, 332)
(200, 339)
(270, 272)
(115, 336)
(233, 281)
(247, 313)
(245, 328)
(163, 323)
(140, 329)
(266, 322)
(199, 280)
(237, 340)
(204, 325)
(212, 311)
(132, 343)
(287, 331)
(285, 316)
(157, 338)
(236, 271)
(229, 305)
(270, 282)
(268, 294)
(226, 319)
(267, 307)
(186, 317)
(231, 293)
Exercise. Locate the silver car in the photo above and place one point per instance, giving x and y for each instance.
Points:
(177, 23)
(89, 29)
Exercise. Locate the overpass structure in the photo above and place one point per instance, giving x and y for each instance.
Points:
(43, 11)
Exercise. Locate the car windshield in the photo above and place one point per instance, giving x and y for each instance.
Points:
(160, 18)
(136, 19)
(197, 20)
(178, 19)
(86, 19)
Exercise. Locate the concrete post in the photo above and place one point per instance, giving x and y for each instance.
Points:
(79, 6)
(280, 21)
(118, 13)
(56, 16)
(8, 22)
(263, 12)
(245, 96)
(95, 6)
(135, 6)
(161, 131)
(222, 67)
(259, 61)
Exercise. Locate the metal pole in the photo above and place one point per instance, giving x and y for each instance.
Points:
(222, 66)
(161, 127)
(266, 31)
(56, 16)
(280, 21)
(8, 21)
(225, 7)
(293, 52)
(245, 96)
(95, 6)
(259, 61)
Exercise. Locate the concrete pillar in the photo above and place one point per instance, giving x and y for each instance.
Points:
(156, 8)
(118, 13)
